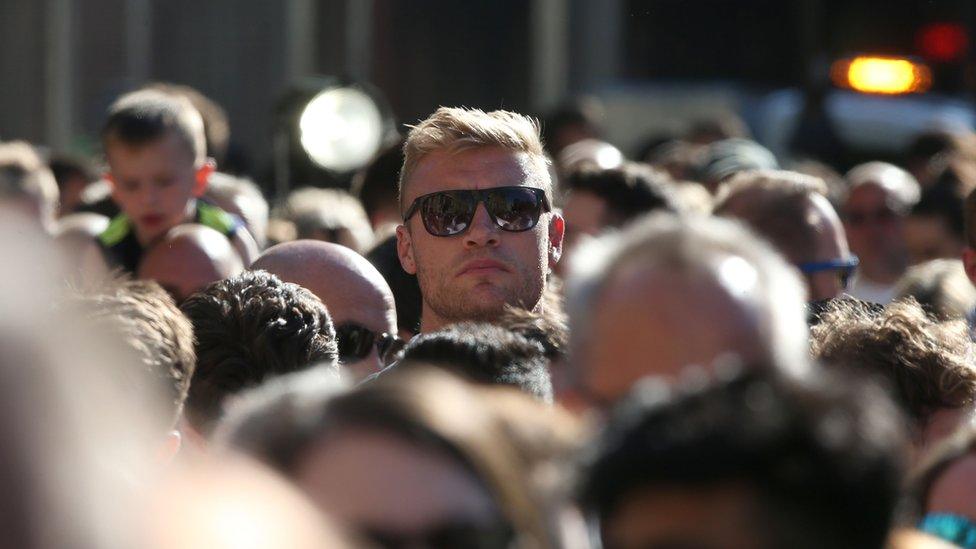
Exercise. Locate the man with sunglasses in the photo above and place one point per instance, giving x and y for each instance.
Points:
(479, 230)
(359, 300)
(791, 211)
(878, 200)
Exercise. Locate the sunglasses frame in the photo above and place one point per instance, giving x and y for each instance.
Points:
(386, 344)
(479, 196)
(847, 265)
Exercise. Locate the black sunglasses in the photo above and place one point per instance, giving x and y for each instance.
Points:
(447, 213)
(356, 342)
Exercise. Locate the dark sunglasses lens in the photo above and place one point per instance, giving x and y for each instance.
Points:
(355, 342)
(446, 213)
(514, 209)
(388, 347)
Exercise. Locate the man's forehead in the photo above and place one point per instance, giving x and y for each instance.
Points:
(475, 168)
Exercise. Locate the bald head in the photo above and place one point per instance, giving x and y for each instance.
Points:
(668, 293)
(351, 288)
(791, 211)
(188, 259)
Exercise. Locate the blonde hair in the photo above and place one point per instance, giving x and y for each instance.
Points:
(23, 174)
(458, 128)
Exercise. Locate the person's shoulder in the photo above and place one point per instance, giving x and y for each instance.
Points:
(117, 230)
(218, 219)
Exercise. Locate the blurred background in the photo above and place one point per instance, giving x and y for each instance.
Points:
(793, 72)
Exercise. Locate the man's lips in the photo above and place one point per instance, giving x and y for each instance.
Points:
(482, 266)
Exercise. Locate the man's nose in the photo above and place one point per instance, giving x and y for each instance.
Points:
(483, 231)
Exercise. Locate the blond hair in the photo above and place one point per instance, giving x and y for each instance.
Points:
(23, 174)
(458, 128)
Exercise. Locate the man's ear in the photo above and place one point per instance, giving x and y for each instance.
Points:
(405, 249)
(170, 447)
(969, 263)
(557, 230)
(203, 176)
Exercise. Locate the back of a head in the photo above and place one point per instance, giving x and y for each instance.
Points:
(332, 215)
(144, 116)
(188, 258)
(941, 287)
(376, 185)
(947, 200)
(708, 251)
(725, 158)
(777, 205)
(810, 465)
(243, 198)
(628, 191)
(145, 319)
(926, 363)
(249, 328)
(27, 184)
(483, 353)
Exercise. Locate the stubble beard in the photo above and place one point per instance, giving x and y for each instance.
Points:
(453, 303)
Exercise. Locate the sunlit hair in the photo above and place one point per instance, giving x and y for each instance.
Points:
(940, 286)
(146, 115)
(456, 129)
(144, 318)
(23, 175)
(775, 203)
(696, 245)
(928, 363)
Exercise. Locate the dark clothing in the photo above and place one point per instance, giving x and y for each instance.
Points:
(122, 249)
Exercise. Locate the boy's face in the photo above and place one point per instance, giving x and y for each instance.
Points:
(155, 183)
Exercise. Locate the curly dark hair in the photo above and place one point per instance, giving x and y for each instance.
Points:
(926, 363)
(248, 328)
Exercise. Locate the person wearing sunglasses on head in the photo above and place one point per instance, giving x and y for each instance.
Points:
(792, 212)
(479, 230)
(357, 296)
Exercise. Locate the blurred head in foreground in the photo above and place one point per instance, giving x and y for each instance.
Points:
(751, 462)
(416, 457)
(27, 185)
(668, 293)
(942, 490)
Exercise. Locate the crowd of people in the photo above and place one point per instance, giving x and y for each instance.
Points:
(504, 334)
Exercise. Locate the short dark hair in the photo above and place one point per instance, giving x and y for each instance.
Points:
(248, 328)
(406, 289)
(947, 199)
(143, 116)
(376, 184)
(822, 456)
(484, 353)
(143, 315)
(216, 127)
(629, 190)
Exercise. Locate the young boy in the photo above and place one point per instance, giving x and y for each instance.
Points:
(155, 148)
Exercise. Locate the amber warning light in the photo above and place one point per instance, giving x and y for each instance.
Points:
(882, 75)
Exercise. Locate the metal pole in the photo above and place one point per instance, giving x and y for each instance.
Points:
(549, 71)
(359, 39)
(300, 40)
(58, 81)
(138, 40)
